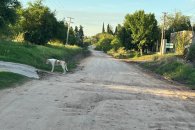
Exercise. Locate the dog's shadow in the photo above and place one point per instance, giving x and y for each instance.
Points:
(47, 74)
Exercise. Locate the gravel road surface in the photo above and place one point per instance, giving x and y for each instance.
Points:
(103, 94)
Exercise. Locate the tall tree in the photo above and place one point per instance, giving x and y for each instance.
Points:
(177, 22)
(124, 35)
(39, 23)
(109, 29)
(76, 31)
(103, 28)
(116, 30)
(81, 32)
(8, 13)
(60, 32)
(72, 37)
(143, 27)
(81, 36)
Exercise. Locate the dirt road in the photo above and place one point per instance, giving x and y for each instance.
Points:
(104, 94)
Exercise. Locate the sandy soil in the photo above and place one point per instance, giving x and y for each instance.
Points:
(104, 94)
(22, 69)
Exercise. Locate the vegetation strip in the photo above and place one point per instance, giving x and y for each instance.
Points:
(173, 68)
(10, 79)
(36, 55)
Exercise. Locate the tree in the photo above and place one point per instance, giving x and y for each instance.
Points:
(87, 41)
(76, 31)
(116, 44)
(39, 23)
(142, 27)
(182, 39)
(72, 38)
(177, 22)
(81, 32)
(124, 35)
(60, 32)
(109, 29)
(81, 35)
(103, 28)
(8, 13)
(191, 53)
(104, 43)
(193, 27)
(116, 30)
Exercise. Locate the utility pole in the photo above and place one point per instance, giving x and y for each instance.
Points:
(163, 46)
(69, 22)
(164, 21)
(192, 24)
(193, 36)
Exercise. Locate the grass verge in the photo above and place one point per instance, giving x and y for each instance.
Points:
(36, 56)
(174, 68)
(8, 79)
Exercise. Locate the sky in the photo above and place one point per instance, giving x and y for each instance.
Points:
(92, 13)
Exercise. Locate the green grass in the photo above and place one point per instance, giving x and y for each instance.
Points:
(151, 57)
(173, 68)
(36, 55)
(10, 79)
(121, 53)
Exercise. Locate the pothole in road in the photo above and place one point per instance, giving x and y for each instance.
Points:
(84, 103)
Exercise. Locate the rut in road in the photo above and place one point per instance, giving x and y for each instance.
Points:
(104, 94)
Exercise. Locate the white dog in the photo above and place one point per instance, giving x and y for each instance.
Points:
(55, 62)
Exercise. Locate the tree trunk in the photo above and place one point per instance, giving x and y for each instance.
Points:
(141, 51)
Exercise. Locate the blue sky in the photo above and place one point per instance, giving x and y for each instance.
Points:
(92, 13)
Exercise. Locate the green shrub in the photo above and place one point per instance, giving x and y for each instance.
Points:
(182, 39)
(172, 68)
(191, 54)
(97, 37)
(111, 52)
(104, 44)
(121, 53)
(116, 44)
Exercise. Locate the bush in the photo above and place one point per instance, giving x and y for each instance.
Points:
(104, 44)
(86, 42)
(173, 68)
(121, 53)
(182, 39)
(191, 54)
(97, 37)
(116, 44)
